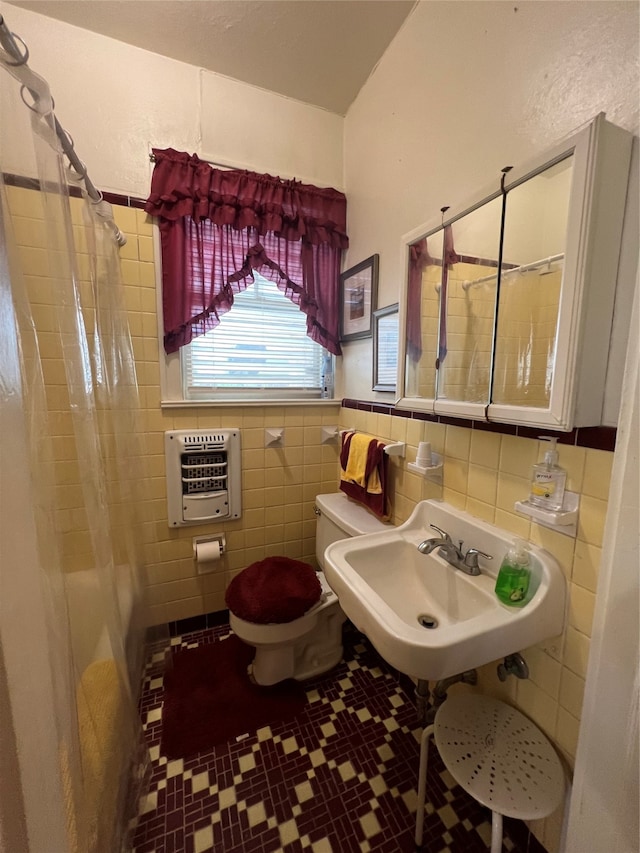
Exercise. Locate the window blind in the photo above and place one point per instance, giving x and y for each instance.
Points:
(260, 348)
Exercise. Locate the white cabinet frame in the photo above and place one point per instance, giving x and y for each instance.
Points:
(601, 158)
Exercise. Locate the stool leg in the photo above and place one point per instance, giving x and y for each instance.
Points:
(496, 832)
(422, 782)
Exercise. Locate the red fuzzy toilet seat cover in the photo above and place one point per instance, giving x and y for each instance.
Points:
(274, 590)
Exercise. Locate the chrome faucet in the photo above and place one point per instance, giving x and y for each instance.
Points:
(452, 553)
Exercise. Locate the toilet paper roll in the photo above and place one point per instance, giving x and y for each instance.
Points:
(205, 554)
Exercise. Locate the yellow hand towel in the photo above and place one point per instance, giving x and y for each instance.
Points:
(356, 469)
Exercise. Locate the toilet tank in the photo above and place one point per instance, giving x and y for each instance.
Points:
(341, 518)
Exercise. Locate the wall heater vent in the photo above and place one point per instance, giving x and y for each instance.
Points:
(203, 476)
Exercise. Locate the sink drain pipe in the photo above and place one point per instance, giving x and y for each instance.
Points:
(439, 694)
(426, 712)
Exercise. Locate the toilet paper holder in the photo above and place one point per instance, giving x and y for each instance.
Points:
(201, 540)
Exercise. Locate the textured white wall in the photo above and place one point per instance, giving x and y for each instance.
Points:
(242, 124)
(604, 805)
(465, 89)
(117, 101)
(112, 98)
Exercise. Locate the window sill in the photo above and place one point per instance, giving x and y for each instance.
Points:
(261, 404)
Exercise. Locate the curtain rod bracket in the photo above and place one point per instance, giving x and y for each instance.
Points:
(8, 44)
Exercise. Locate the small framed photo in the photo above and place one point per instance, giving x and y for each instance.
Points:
(385, 348)
(358, 294)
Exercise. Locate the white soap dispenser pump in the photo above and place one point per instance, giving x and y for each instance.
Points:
(548, 479)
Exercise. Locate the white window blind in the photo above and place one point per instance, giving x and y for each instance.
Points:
(388, 350)
(260, 349)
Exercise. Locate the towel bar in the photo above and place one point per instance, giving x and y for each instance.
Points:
(395, 448)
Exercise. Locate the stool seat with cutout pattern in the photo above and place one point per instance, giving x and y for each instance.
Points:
(498, 756)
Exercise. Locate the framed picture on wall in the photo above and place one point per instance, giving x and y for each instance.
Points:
(385, 348)
(358, 294)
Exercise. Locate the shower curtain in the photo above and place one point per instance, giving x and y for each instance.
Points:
(71, 574)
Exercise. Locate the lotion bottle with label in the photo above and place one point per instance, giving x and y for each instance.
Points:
(548, 480)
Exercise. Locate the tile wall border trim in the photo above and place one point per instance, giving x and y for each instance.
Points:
(596, 438)
(25, 183)
(178, 627)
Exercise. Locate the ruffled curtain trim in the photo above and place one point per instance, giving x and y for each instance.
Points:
(184, 185)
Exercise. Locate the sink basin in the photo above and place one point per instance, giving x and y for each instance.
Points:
(428, 619)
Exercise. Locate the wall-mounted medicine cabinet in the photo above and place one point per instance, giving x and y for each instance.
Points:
(507, 309)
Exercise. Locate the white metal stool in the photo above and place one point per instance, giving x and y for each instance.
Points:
(498, 756)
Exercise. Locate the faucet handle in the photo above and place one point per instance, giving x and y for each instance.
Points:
(442, 533)
(471, 557)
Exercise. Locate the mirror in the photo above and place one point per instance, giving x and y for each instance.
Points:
(536, 218)
(468, 345)
(508, 302)
(423, 310)
(385, 348)
(468, 312)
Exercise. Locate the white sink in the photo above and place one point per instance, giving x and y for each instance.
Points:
(390, 590)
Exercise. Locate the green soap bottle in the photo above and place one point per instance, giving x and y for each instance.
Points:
(512, 583)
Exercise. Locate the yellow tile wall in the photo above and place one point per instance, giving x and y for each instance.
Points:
(523, 367)
(484, 474)
(464, 374)
(32, 241)
(278, 491)
(278, 486)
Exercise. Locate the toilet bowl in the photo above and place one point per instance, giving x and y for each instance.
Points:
(312, 643)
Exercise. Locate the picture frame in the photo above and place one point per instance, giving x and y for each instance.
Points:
(386, 328)
(358, 294)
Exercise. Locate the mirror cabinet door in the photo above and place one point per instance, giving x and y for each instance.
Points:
(534, 347)
(468, 290)
(422, 313)
(534, 243)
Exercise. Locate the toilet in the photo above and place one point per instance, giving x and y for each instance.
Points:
(312, 643)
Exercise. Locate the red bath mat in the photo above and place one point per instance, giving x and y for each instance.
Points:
(209, 699)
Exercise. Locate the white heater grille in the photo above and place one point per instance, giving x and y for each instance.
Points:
(203, 476)
(203, 472)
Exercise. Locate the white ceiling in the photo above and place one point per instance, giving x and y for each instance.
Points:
(317, 51)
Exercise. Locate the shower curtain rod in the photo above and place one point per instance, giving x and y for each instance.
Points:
(9, 45)
(534, 265)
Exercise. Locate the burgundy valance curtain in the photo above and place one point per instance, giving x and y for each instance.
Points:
(418, 259)
(217, 226)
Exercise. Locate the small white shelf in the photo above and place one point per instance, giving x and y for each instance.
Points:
(564, 520)
(431, 472)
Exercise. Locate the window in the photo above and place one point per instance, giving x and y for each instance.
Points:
(259, 350)
(228, 223)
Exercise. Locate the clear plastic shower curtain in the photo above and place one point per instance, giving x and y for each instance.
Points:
(68, 385)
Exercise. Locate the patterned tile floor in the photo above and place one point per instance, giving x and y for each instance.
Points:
(340, 777)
